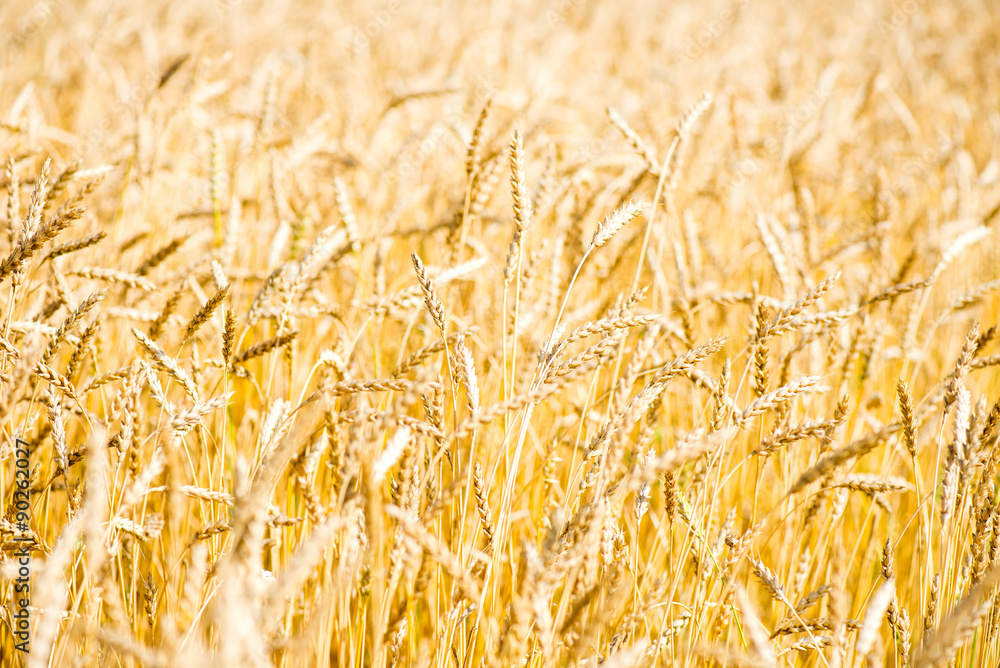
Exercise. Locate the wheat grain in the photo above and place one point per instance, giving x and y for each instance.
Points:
(114, 276)
(840, 456)
(615, 221)
(264, 347)
(204, 314)
(166, 363)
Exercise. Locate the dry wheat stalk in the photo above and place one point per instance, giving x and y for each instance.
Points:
(437, 551)
(634, 140)
(894, 291)
(872, 483)
(349, 523)
(205, 313)
(76, 245)
(264, 347)
(82, 348)
(812, 598)
(874, 613)
(675, 155)
(173, 301)
(791, 433)
(13, 199)
(430, 296)
(185, 419)
(467, 373)
(784, 321)
(166, 363)
(70, 323)
(57, 381)
(114, 276)
(836, 458)
(482, 505)
(755, 630)
(792, 625)
(958, 625)
(782, 395)
(413, 361)
(473, 157)
(615, 221)
(32, 242)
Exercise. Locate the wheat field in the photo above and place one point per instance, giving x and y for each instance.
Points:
(510, 333)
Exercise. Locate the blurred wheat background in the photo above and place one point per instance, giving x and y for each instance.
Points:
(557, 333)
